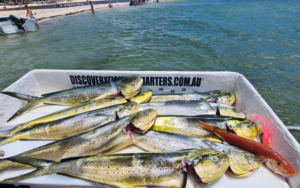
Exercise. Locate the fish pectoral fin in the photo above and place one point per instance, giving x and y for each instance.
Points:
(118, 147)
(136, 144)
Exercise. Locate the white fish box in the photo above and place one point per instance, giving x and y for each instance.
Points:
(248, 100)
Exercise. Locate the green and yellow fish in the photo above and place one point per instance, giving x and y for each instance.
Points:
(110, 137)
(71, 111)
(128, 86)
(71, 126)
(138, 169)
(220, 97)
(192, 108)
(242, 163)
(189, 126)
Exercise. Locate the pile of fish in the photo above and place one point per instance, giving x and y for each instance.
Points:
(180, 133)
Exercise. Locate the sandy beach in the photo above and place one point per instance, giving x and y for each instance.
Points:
(50, 13)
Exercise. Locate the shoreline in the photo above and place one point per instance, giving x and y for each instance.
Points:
(41, 14)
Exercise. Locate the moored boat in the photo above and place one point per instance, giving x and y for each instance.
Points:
(15, 24)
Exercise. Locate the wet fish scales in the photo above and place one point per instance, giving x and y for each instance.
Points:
(71, 126)
(241, 161)
(129, 170)
(110, 137)
(221, 97)
(189, 126)
(101, 103)
(129, 87)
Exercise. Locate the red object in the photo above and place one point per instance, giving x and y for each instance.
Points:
(273, 159)
(266, 138)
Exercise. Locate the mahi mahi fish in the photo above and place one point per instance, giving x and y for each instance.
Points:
(192, 108)
(273, 160)
(189, 126)
(93, 105)
(129, 87)
(221, 97)
(242, 163)
(71, 126)
(110, 137)
(97, 104)
(137, 169)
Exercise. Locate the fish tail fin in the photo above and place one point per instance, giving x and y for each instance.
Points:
(21, 96)
(43, 167)
(6, 163)
(4, 134)
(25, 108)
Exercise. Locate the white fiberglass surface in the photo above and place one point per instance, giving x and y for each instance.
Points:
(43, 81)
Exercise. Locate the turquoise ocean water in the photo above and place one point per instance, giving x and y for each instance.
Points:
(257, 38)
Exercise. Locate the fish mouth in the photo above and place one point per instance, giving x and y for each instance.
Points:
(142, 122)
(130, 128)
(249, 173)
(190, 169)
(197, 178)
(207, 168)
(143, 119)
(230, 111)
(132, 89)
(128, 99)
(285, 172)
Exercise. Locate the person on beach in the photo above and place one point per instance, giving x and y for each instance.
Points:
(30, 15)
(110, 5)
(92, 7)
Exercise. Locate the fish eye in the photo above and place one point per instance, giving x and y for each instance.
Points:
(278, 163)
(246, 156)
(248, 125)
(214, 158)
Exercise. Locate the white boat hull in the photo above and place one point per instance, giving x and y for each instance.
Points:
(7, 26)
